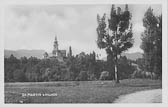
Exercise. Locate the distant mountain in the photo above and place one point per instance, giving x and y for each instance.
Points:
(22, 53)
(39, 54)
(131, 56)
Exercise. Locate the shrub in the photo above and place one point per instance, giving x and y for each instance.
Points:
(83, 76)
(104, 75)
(19, 76)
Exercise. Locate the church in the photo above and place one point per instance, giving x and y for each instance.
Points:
(56, 53)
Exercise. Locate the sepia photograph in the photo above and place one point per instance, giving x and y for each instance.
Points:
(83, 53)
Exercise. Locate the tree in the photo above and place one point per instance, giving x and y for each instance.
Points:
(115, 34)
(125, 67)
(19, 76)
(45, 55)
(23, 60)
(70, 52)
(10, 65)
(83, 76)
(152, 42)
(141, 63)
(92, 66)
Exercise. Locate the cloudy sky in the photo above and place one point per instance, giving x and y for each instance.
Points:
(35, 26)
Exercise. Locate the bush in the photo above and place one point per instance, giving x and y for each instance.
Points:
(83, 76)
(92, 77)
(19, 76)
(104, 75)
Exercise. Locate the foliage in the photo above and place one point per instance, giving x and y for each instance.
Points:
(50, 69)
(70, 52)
(80, 67)
(125, 68)
(19, 76)
(83, 76)
(104, 75)
(10, 65)
(115, 34)
(152, 42)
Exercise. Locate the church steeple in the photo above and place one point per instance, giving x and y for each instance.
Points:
(55, 38)
(55, 50)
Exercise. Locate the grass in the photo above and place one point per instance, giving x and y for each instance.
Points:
(75, 91)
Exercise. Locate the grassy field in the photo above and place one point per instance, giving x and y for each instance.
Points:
(74, 91)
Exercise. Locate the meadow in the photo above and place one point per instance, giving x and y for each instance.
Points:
(75, 91)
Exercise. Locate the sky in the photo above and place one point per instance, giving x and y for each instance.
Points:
(35, 26)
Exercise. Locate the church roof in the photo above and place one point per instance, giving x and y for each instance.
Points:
(62, 51)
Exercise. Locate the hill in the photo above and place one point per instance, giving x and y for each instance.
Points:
(22, 53)
(131, 56)
(39, 54)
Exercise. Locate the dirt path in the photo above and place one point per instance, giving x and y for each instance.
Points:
(149, 96)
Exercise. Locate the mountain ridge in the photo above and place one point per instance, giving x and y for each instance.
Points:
(23, 52)
(39, 54)
(131, 56)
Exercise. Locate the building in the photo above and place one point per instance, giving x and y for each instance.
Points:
(56, 53)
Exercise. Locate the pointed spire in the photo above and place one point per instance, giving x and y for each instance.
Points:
(55, 41)
(55, 37)
(55, 50)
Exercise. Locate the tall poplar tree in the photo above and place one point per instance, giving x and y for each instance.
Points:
(152, 42)
(115, 34)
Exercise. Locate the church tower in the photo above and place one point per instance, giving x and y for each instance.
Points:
(55, 50)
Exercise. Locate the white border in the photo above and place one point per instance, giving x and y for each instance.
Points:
(46, 2)
(164, 53)
(4, 3)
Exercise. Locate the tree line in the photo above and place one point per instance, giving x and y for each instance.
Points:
(82, 67)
